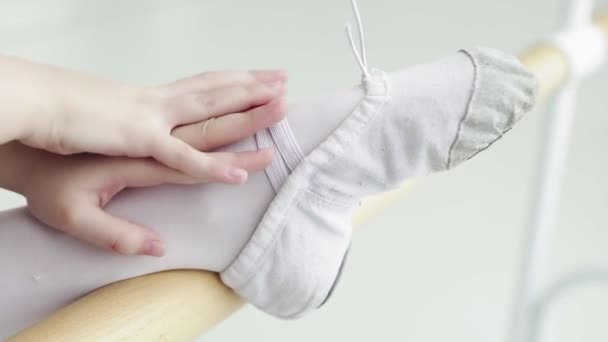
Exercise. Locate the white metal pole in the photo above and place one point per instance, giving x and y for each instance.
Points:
(541, 223)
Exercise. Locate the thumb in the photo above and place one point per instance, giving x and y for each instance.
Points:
(99, 228)
(94, 225)
(106, 231)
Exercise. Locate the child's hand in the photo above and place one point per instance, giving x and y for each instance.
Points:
(70, 192)
(69, 112)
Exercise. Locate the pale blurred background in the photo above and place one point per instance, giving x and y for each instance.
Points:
(441, 264)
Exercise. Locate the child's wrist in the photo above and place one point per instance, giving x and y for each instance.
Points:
(33, 101)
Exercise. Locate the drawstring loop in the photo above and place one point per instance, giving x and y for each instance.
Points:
(360, 52)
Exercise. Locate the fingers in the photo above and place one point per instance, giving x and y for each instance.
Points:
(221, 79)
(99, 228)
(250, 160)
(183, 157)
(224, 130)
(216, 132)
(207, 98)
(149, 172)
(200, 106)
(138, 172)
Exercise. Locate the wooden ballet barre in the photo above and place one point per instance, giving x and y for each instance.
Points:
(182, 305)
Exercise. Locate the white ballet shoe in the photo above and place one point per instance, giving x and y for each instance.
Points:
(294, 257)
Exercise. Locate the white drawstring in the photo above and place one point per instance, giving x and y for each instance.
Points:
(359, 53)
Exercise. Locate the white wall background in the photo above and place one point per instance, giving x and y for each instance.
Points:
(440, 265)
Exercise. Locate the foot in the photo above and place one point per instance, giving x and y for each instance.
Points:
(414, 122)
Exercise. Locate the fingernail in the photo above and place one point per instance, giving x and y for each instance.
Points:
(154, 248)
(237, 175)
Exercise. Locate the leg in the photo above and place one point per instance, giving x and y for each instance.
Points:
(205, 226)
(212, 226)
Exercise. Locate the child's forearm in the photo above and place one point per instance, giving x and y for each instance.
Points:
(26, 96)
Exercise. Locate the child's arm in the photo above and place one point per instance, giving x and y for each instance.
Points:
(69, 112)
